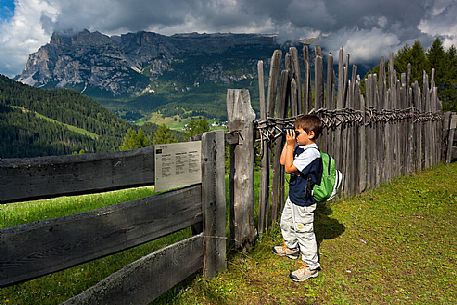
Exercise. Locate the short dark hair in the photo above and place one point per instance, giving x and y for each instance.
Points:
(309, 122)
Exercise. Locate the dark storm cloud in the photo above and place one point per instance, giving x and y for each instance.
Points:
(365, 28)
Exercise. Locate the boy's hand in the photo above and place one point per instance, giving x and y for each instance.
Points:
(290, 137)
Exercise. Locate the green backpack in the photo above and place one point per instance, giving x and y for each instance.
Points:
(331, 180)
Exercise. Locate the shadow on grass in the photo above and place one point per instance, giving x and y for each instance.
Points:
(326, 227)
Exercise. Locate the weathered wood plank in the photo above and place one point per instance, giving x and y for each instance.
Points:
(33, 250)
(371, 135)
(450, 139)
(363, 150)
(329, 103)
(213, 202)
(445, 134)
(232, 195)
(293, 97)
(306, 81)
(47, 177)
(394, 126)
(339, 105)
(419, 128)
(273, 80)
(436, 143)
(265, 163)
(428, 124)
(379, 153)
(346, 78)
(278, 170)
(386, 104)
(411, 140)
(327, 141)
(296, 74)
(398, 130)
(283, 110)
(144, 280)
(319, 82)
(347, 150)
(241, 118)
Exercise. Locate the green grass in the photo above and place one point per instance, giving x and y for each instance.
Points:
(396, 244)
(30, 211)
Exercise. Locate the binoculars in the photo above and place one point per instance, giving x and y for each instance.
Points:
(285, 129)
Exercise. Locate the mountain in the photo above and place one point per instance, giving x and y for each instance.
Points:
(36, 122)
(137, 73)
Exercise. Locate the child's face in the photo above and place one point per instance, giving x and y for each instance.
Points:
(304, 138)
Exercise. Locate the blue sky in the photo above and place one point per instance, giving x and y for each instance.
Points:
(6, 9)
(366, 29)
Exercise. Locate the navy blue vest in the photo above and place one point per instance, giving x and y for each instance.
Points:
(302, 183)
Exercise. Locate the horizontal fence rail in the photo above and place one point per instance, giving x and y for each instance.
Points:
(30, 251)
(132, 284)
(47, 177)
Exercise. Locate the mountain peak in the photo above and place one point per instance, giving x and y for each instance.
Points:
(85, 37)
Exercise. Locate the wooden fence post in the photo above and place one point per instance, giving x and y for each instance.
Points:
(339, 105)
(428, 124)
(278, 170)
(265, 165)
(306, 89)
(452, 125)
(297, 76)
(213, 202)
(318, 82)
(241, 120)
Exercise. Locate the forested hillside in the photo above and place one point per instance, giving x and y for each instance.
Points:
(36, 122)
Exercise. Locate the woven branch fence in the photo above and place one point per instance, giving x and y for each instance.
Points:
(394, 128)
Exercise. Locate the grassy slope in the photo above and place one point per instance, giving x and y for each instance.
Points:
(393, 245)
(68, 126)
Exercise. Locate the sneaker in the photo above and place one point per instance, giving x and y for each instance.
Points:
(285, 251)
(303, 273)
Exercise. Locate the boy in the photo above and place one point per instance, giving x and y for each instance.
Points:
(304, 164)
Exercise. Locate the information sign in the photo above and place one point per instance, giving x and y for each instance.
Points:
(177, 165)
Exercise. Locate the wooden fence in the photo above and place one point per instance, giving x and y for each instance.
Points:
(450, 137)
(33, 250)
(394, 128)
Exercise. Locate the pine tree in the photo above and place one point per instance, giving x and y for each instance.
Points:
(416, 56)
(445, 64)
(134, 139)
(164, 135)
(438, 59)
(197, 127)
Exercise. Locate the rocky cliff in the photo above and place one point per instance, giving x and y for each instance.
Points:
(141, 63)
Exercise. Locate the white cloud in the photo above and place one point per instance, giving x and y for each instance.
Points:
(363, 45)
(23, 34)
(442, 22)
